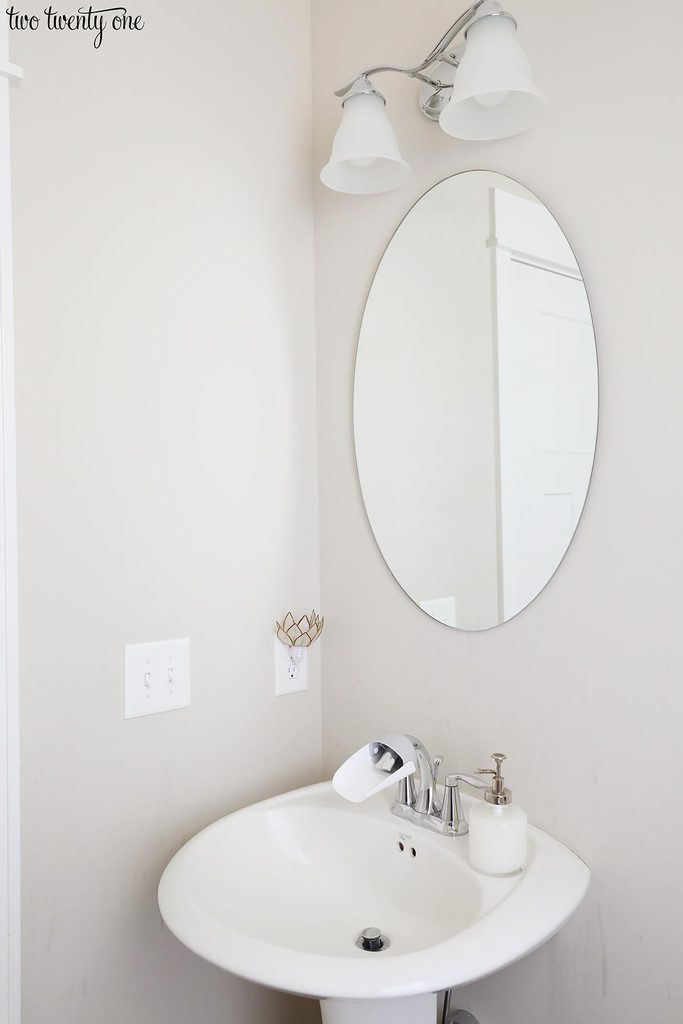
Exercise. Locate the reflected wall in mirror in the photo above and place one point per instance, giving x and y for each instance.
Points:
(476, 400)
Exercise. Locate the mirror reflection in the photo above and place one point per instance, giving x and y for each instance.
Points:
(476, 400)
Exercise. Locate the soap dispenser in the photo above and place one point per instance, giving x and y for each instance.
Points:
(498, 828)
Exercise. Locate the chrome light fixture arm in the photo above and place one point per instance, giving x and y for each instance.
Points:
(439, 53)
(484, 90)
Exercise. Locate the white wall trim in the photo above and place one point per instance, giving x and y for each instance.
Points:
(12, 72)
(10, 905)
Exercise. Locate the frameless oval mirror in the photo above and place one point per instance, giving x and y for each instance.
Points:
(476, 400)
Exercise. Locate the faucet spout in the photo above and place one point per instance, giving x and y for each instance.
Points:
(374, 767)
(394, 758)
(425, 795)
(405, 761)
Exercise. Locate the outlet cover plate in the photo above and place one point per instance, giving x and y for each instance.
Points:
(291, 670)
(156, 677)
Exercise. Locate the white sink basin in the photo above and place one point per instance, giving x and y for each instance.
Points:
(279, 892)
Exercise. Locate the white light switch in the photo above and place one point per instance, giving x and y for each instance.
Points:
(156, 677)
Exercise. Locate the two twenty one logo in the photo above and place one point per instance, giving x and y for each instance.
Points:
(86, 19)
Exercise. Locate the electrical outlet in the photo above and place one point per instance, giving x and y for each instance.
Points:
(156, 677)
(291, 669)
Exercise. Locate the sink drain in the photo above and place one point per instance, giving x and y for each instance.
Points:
(372, 940)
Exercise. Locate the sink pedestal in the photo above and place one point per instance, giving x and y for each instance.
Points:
(409, 1010)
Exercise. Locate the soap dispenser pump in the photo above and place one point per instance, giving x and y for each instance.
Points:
(498, 828)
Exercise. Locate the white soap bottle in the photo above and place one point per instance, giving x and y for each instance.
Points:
(498, 828)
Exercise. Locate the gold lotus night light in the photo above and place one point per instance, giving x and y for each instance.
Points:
(299, 632)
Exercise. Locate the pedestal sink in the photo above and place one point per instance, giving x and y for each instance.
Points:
(280, 893)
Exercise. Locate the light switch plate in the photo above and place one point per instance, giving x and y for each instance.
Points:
(156, 677)
(291, 671)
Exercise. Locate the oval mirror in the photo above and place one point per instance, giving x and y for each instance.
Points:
(476, 400)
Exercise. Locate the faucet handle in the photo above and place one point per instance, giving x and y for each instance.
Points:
(452, 814)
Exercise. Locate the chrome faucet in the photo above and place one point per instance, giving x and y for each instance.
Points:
(406, 761)
(421, 802)
(420, 794)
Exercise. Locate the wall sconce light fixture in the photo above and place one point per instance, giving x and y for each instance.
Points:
(480, 89)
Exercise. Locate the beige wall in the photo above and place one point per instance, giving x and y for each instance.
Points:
(583, 689)
(167, 477)
(154, 210)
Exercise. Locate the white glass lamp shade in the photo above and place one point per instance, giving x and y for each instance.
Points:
(494, 95)
(365, 155)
